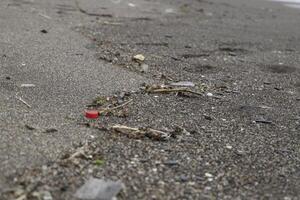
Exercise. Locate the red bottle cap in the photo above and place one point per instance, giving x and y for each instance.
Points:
(91, 114)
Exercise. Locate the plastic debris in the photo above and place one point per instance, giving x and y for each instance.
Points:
(99, 189)
(144, 68)
(23, 101)
(91, 114)
(183, 84)
(27, 85)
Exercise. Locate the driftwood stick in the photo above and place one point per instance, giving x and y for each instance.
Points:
(115, 108)
(169, 90)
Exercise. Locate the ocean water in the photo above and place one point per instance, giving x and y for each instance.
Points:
(289, 3)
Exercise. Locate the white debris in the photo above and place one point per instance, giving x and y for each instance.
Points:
(99, 189)
(131, 5)
(27, 85)
(208, 175)
(144, 68)
(209, 94)
(169, 10)
(183, 84)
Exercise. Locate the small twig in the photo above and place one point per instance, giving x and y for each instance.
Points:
(45, 16)
(88, 13)
(139, 133)
(121, 127)
(115, 108)
(169, 90)
(24, 102)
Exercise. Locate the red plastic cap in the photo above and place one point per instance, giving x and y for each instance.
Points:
(91, 114)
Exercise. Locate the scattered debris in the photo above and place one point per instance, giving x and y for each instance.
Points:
(169, 89)
(27, 85)
(107, 110)
(144, 68)
(139, 58)
(79, 153)
(112, 105)
(209, 94)
(183, 84)
(44, 31)
(50, 130)
(180, 131)
(207, 117)
(169, 10)
(171, 162)
(47, 195)
(139, 133)
(164, 44)
(186, 56)
(99, 162)
(163, 76)
(29, 127)
(88, 13)
(263, 121)
(208, 175)
(99, 189)
(24, 102)
(131, 5)
(45, 16)
(111, 23)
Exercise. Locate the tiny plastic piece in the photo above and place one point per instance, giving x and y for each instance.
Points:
(91, 114)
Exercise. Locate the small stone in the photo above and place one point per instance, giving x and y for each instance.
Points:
(209, 94)
(207, 117)
(139, 57)
(44, 31)
(228, 147)
(183, 178)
